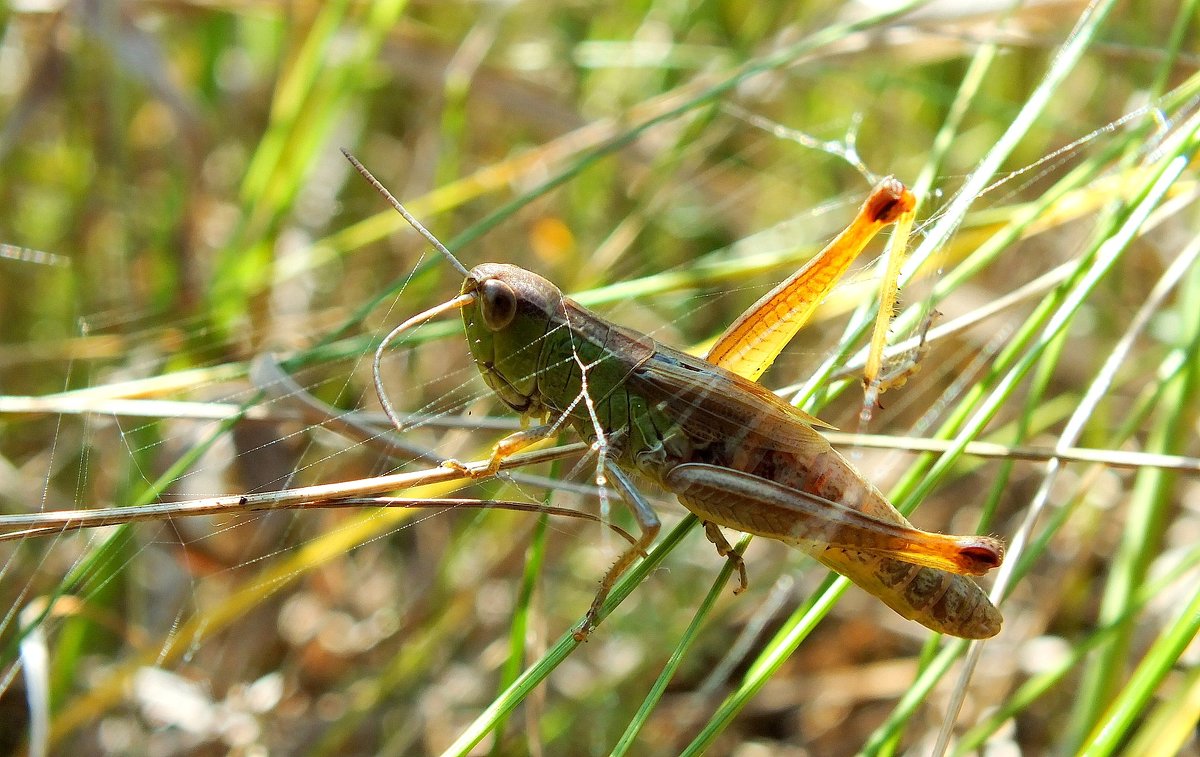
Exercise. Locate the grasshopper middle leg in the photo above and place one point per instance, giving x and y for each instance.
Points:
(648, 523)
(726, 550)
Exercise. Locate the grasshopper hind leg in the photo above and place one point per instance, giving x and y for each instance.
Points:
(897, 373)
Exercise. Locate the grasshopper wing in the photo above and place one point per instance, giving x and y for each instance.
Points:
(709, 402)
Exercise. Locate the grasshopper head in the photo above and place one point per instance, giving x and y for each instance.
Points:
(512, 313)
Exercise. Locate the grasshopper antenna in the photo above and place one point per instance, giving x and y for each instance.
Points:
(461, 301)
(407, 216)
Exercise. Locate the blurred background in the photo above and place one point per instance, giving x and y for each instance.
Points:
(177, 222)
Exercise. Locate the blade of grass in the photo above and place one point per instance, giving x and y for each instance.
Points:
(504, 704)
(1152, 495)
(678, 655)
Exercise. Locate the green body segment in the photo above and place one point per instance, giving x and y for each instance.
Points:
(662, 412)
(552, 350)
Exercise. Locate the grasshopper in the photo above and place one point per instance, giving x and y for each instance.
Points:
(734, 453)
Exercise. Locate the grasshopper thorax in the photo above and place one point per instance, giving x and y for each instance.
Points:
(506, 324)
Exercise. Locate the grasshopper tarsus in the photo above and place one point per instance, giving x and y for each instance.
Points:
(905, 365)
(592, 618)
(470, 471)
(872, 390)
(739, 565)
(726, 550)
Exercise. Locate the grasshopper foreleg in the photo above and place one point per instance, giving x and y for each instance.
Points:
(648, 523)
(506, 447)
(726, 550)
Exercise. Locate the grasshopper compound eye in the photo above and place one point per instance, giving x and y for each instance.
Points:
(499, 304)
